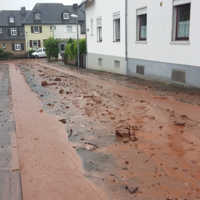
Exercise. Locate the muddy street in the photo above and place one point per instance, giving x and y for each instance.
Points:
(92, 135)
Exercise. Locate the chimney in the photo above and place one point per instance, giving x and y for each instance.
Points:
(23, 11)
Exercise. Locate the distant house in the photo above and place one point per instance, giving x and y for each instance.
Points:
(12, 34)
(145, 38)
(51, 20)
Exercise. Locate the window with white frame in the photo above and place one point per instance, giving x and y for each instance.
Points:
(11, 20)
(99, 29)
(116, 27)
(181, 20)
(36, 29)
(18, 47)
(69, 28)
(65, 15)
(141, 24)
(13, 31)
(91, 27)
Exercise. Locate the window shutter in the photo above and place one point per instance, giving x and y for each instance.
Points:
(9, 32)
(31, 44)
(40, 29)
(31, 29)
(22, 46)
(13, 47)
(39, 45)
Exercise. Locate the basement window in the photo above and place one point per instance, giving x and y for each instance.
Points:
(117, 63)
(100, 61)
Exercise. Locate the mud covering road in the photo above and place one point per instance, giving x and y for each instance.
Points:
(10, 183)
(94, 135)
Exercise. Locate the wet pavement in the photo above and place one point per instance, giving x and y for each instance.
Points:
(10, 185)
(104, 135)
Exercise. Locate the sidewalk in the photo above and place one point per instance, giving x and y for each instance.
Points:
(10, 184)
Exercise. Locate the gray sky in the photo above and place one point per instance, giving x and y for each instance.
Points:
(17, 4)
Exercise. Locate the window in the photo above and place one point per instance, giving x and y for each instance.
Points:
(17, 47)
(36, 29)
(117, 63)
(116, 27)
(13, 31)
(100, 61)
(142, 24)
(91, 27)
(11, 20)
(65, 15)
(4, 46)
(35, 44)
(62, 47)
(181, 22)
(1, 30)
(37, 16)
(69, 28)
(99, 30)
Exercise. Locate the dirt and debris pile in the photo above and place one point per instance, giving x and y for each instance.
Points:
(126, 131)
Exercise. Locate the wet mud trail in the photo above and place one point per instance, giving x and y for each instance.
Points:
(50, 167)
(134, 143)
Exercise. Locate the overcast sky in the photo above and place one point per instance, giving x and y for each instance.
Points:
(17, 4)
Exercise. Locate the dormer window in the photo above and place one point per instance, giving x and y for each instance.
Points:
(11, 20)
(65, 16)
(37, 16)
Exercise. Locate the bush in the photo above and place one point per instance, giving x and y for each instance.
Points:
(71, 49)
(51, 48)
(4, 54)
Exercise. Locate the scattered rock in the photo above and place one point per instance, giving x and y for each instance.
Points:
(44, 83)
(63, 121)
(179, 123)
(57, 79)
(126, 132)
(61, 91)
(131, 190)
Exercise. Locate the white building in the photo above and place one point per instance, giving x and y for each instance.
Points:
(105, 24)
(162, 38)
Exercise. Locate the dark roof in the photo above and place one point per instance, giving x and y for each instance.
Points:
(18, 15)
(51, 13)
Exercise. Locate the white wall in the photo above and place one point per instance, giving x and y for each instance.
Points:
(61, 32)
(105, 10)
(159, 46)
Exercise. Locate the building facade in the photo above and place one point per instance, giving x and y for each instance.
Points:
(52, 20)
(160, 38)
(12, 34)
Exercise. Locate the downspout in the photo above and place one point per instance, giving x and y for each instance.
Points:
(126, 35)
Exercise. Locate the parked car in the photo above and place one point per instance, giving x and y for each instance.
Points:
(39, 53)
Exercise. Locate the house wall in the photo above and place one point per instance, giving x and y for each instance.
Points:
(9, 43)
(61, 32)
(160, 55)
(107, 50)
(47, 32)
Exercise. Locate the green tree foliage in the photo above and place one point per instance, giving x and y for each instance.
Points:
(51, 48)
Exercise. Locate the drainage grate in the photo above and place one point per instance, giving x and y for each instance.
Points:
(140, 69)
(178, 76)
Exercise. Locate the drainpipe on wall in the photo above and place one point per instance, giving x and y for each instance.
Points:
(126, 34)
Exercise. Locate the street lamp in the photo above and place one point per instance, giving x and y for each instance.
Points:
(78, 48)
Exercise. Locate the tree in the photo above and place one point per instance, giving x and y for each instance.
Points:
(51, 48)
